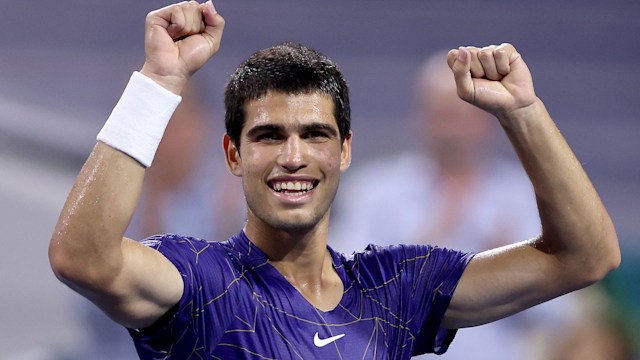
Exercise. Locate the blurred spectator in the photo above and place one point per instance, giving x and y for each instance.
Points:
(595, 335)
(454, 193)
(187, 190)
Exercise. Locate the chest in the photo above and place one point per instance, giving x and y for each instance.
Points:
(279, 323)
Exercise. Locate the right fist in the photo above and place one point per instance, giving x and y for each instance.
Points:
(179, 40)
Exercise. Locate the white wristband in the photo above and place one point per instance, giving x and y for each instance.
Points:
(138, 120)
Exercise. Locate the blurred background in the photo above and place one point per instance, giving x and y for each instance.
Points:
(64, 64)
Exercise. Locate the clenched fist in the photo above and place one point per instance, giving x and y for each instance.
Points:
(179, 40)
(494, 78)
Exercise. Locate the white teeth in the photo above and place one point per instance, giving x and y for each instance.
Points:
(293, 186)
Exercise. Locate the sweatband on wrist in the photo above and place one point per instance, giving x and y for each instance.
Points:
(138, 120)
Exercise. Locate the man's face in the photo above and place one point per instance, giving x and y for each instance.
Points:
(290, 160)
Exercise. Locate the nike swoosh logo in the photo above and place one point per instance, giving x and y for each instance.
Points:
(324, 342)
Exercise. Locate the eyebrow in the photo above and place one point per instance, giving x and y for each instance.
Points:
(320, 127)
(315, 126)
(258, 129)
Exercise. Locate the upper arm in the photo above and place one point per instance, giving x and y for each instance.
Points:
(503, 281)
(132, 283)
(142, 286)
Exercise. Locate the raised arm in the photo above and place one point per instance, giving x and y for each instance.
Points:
(578, 245)
(132, 283)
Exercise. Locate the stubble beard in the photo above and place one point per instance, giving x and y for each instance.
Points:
(281, 221)
(290, 224)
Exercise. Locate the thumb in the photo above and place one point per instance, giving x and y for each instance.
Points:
(459, 61)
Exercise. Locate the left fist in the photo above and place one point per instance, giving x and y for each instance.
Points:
(493, 78)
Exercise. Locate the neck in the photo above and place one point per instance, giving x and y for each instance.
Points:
(300, 256)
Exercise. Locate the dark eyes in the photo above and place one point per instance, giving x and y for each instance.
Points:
(269, 136)
(314, 135)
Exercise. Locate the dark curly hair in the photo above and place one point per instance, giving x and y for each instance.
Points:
(287, 68)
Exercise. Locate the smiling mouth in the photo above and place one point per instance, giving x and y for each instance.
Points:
(297, 187)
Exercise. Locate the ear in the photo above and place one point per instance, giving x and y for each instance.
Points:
(345, 155)
(232, 156)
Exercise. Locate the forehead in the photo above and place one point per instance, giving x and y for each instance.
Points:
(289, 109)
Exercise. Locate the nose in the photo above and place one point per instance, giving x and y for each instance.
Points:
(292, 156)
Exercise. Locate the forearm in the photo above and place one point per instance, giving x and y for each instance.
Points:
(576, 227)
(578, 244)
(86, 243)
(134, 284)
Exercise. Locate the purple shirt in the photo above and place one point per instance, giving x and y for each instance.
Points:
(236, 305)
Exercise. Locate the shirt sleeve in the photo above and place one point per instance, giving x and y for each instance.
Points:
(430, 276)
(202, 298)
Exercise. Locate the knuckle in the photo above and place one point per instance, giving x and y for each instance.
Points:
(486, 52)
(500, 53)
(505, 47)
(176, 9)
